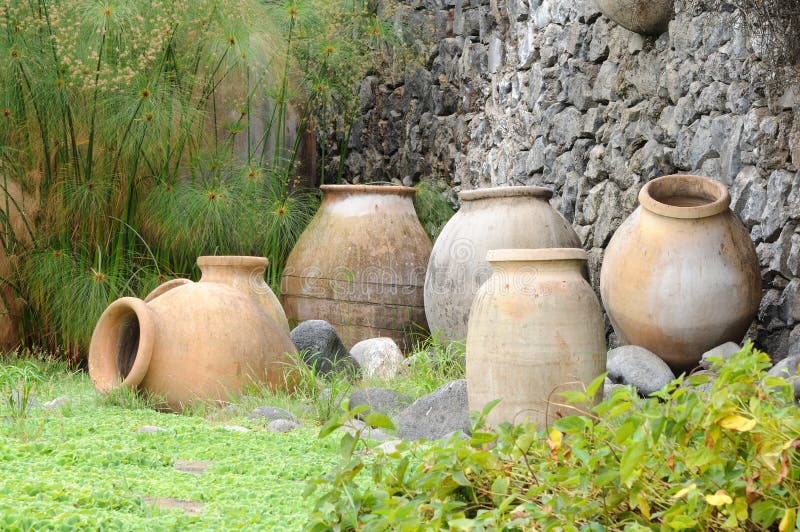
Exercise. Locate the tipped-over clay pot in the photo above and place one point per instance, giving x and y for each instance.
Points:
(360, 265)
(190, 342)
(535, 329)
(490, 218)
(680, 275)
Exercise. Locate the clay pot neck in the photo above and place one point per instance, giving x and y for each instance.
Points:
(232, 270)
(482, 197)
(335, 191)
(122, 344)
(537, 260)
(685, 197)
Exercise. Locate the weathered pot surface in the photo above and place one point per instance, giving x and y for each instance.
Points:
(535, 329)
(490, 218)
(680, 275)
(190, 342)
(360, 265)
(648, 17)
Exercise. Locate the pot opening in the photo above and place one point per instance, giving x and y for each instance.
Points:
(127, 343)
(685, 196)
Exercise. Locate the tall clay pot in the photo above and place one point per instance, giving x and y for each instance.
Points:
(535, 329)
(681, 276)
(493, 218)
(193, 341)
(360, 264)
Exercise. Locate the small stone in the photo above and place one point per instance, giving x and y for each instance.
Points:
(787, 369)
(283, 425)
(168, 503)
(437, 414)
(381, 400)
(58, 402)
(724, 351)
(389, 447)
(271, 413)
(17, 398)
(608, 388)
(228, 412)
(639, 368)
(236, 428)
(191, 466)
(150, 429)
(321, 348)
(705, 379)
(378, 357)
(352, 426)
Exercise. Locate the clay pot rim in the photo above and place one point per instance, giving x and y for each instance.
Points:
(232, 260)
(714, 189)
(536, 255)
(389, 190)
(109, 322)
(166, 287)
(505, 192)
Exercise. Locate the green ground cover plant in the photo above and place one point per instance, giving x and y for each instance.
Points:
(84, 465)
(685, 460)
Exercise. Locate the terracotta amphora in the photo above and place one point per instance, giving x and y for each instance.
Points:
(680, 275)
(360, 265)
(491, 218)
(535, 329)
(189, 341)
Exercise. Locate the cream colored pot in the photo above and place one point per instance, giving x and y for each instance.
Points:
(360, 265)
(648, 17)
(535, 329)
(680, 275)
(190, 342)
(493, 218)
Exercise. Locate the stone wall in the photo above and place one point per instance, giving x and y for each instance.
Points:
(551, 92)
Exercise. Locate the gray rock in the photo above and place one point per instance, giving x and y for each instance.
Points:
(17, 399)
(389, 446)
(437, 414)
(353, 426)
(608, 388)
(707, 378)
(58, 402)
(787, 369)
(271, 413)
(150, 429)
(283, 425)
(381, 400)
(725, 351)
(639, 368)
(235, 428)
(321, 348)
(378, 357)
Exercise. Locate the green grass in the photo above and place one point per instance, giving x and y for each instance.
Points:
(85, 466)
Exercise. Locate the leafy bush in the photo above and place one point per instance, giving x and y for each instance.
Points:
(688, 459)
(432, 207)
(146, 133)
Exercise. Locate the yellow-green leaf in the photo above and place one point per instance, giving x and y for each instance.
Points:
(644, 504)
(787, 523)
(720, 498)
(685, 491)
(738, 423)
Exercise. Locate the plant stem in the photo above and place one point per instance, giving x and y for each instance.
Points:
(90, 148)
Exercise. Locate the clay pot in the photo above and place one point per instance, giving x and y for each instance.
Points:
(535, 329)
(360, 265)
(681, 276)
(493, 218)
(648, 17)
(190, 342)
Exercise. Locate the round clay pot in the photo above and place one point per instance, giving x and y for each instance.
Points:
(492, 218)
(190, 342)
(245, 274)
(648, 17)
(536, 329)
(680, 275)
(360, 265)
